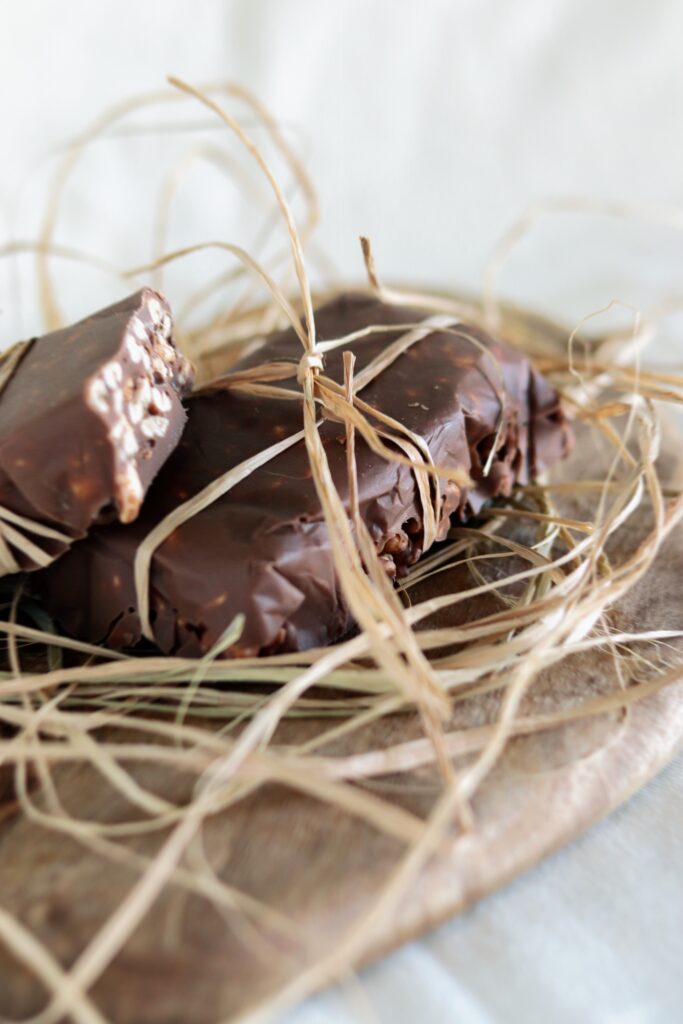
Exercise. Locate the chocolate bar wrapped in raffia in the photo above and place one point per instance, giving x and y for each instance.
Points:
(486, 419)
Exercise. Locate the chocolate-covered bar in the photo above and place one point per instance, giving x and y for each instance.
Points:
(88, 416)
(263, 548)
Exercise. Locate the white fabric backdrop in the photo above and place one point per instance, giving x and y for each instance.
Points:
(429, 127)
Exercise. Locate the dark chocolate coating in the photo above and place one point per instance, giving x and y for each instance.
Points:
(263, 548)
(89, 416)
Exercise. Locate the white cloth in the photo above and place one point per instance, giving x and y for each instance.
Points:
(429, 127)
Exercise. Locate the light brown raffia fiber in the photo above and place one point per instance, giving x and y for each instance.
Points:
(545, 575)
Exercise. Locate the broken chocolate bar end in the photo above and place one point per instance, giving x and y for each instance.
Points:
(88, 416)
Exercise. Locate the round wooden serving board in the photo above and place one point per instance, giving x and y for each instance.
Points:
(323, 867)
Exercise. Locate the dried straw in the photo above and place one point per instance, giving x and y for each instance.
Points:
(550, 571)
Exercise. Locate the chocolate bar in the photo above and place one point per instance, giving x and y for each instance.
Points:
(88, 415)
(263, 548)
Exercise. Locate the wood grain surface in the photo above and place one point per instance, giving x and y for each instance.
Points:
(321, 867)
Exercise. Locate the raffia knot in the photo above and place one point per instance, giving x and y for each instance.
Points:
(309, 361)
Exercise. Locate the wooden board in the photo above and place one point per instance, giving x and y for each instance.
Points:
(188, 962)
